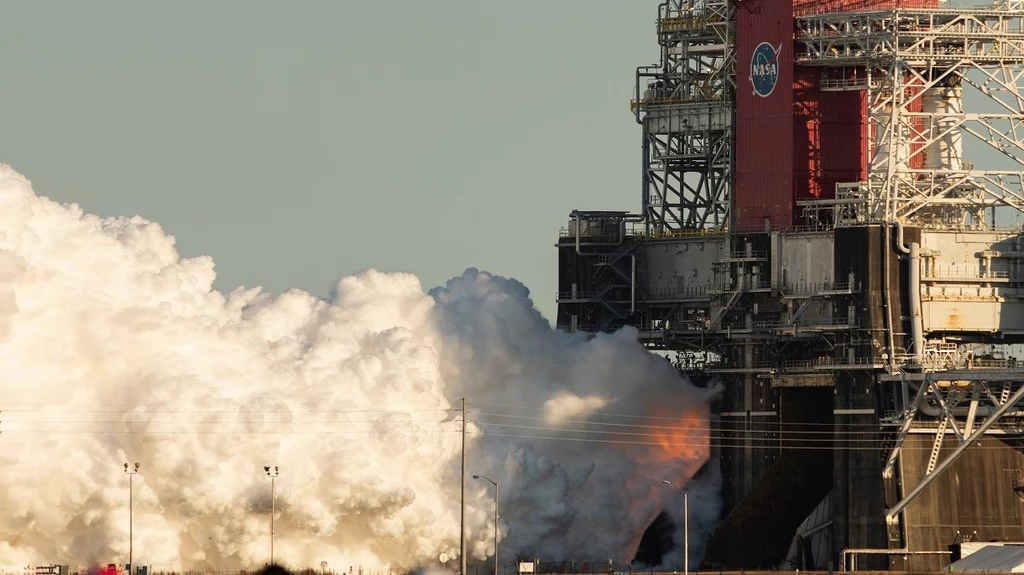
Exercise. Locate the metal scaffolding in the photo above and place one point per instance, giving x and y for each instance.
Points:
(893, 336)
(685, 105)
(914, 66)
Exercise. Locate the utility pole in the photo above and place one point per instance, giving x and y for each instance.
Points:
(131, 514)
(686, 533)
(495, 528)
(686, 527)
(272, 473)
(495, 484)
(462, 510)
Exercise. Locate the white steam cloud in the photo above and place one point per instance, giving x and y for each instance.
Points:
(114, 349)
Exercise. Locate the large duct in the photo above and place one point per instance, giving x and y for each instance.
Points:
(943, 107)
(882, 136)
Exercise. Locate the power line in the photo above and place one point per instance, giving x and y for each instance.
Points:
(206, 432)
(701, 428)
(598, 414)
(144, 409)
(737, 445)
(664, 427)
(700, 440)
(702, 433)
(594, 413)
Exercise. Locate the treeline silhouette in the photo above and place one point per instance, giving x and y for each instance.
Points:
(273, 570)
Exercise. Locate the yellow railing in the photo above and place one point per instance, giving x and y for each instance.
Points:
(634, 105)
(565, 234)
(682, 23)
(686, 234)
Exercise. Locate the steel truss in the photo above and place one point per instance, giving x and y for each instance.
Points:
(685, 106)
(905, 60)
(943, 396)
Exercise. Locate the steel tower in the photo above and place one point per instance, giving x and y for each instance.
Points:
(821, 186)
(914, 66)
(684, 105)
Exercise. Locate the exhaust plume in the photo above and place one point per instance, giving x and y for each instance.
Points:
(115, 349)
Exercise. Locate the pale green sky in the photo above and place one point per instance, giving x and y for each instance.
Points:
(297, 142)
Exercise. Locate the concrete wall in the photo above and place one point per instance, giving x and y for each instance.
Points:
(679, 266)
(858, 498)
(974, 495)
(806, 263)
(965, 291)
(958, 251)
(807, 259)
(863, 251)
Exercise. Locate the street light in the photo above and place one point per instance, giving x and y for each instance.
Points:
(495, 484)
(272, 473)
(686, 528)
(131, 471)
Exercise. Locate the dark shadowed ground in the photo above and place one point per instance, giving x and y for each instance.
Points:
(273, 570)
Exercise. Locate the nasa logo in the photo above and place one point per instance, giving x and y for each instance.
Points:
(764, 69)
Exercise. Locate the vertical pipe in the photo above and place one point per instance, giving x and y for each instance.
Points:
(462, 506)
(886, 303)
(577, 217)
(131, 522)
(495, 529)
(272, 472)
(131, 471)
(273, 511)
(917, 323)
(686, 533)
(632, 292)
(645, 191)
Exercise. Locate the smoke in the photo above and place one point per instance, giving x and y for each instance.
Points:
(114, 349)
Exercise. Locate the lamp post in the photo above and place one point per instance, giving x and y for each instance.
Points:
(272, 473)
(495, 484)
(131, 471)
(686, 528)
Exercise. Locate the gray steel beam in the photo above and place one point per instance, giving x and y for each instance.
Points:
(968, 441)
(972, 412)
(907, 422)
(957, 375)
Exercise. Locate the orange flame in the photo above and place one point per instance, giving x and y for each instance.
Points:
(670, 436)
(687, 437)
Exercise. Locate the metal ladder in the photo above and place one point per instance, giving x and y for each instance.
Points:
(939, 436)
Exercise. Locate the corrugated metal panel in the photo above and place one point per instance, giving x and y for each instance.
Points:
(806, 132)
(987, 506)
(803, 7)
(829, 130)
(764, 125)
(795, 142)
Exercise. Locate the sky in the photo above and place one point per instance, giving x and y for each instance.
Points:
(297, 143)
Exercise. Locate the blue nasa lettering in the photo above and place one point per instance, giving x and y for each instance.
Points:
(764, 69)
